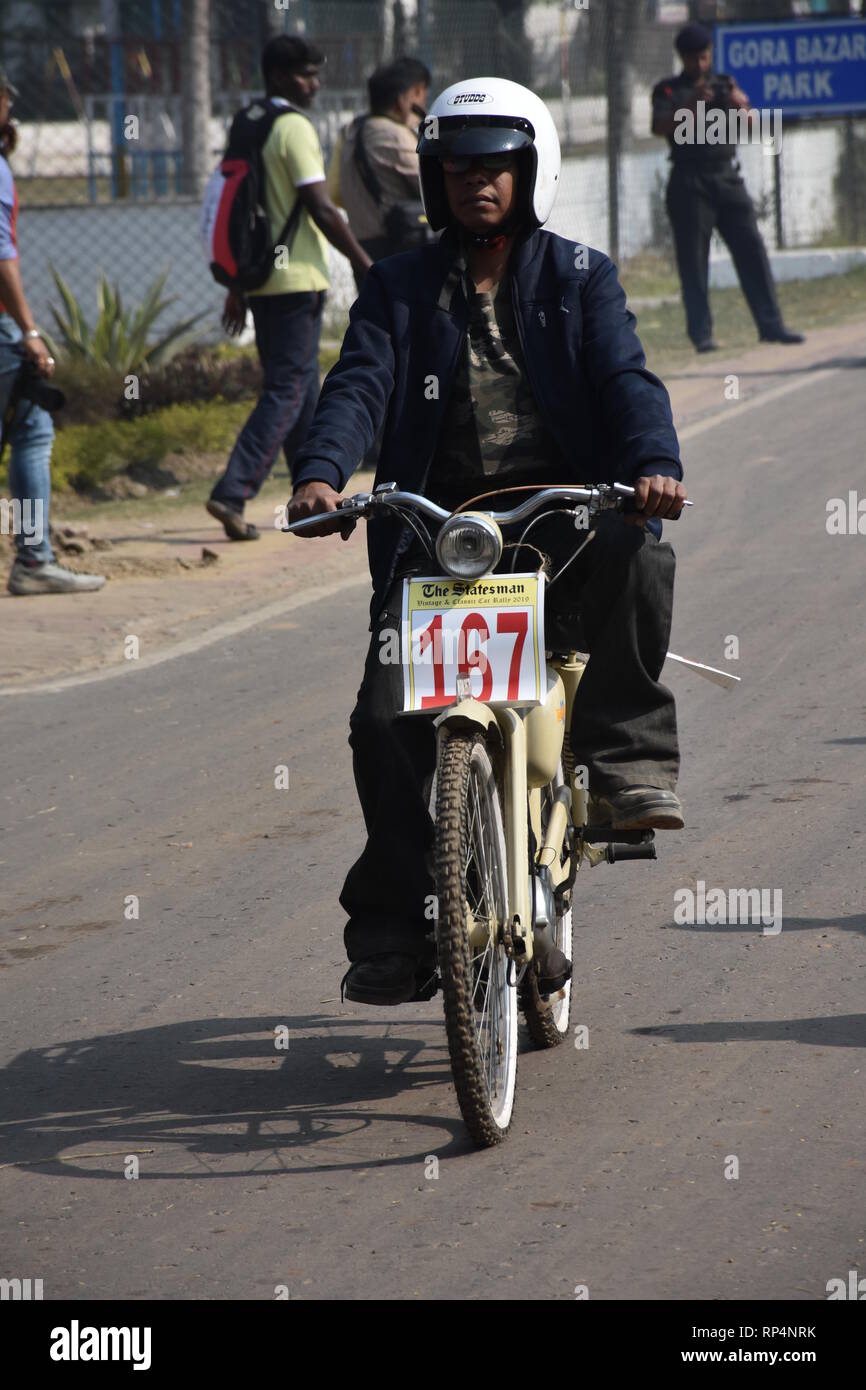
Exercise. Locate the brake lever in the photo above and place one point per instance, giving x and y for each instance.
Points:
(351, 507)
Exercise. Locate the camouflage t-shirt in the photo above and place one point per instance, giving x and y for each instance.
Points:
(492, 433)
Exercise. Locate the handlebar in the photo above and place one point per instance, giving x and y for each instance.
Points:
(597, 497)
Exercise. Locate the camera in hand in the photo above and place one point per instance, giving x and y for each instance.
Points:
(31, 385)
(28, 384)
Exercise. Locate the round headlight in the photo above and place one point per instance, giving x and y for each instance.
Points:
(469, 545)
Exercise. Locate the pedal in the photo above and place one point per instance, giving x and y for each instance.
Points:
(599, 834)
(620, 845)
(618, 851)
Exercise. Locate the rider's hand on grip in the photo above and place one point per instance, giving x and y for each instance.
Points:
(656, 496)
(312, 498)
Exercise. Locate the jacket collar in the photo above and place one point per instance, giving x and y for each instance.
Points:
(453, 263)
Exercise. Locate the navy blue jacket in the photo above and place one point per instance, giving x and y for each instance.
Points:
(610, 416)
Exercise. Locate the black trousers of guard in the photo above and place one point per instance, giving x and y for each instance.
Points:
(614, 602)
(699, 201)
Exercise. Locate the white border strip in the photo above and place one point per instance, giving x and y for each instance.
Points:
(231, 628)
(786, 388)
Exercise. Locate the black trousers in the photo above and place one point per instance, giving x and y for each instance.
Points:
(287, 339)
(615, 602)
(698, 202)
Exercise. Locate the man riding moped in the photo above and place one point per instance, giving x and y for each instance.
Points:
(502, 356)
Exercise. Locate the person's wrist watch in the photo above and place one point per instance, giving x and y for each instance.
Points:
(33, 333)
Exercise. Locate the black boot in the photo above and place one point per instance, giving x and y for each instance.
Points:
(383, 979)
(783, 335)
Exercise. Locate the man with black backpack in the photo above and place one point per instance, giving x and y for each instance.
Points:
(374, 169)
(268, 238)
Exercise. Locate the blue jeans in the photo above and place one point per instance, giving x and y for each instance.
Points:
(287, 338)
(29, 440)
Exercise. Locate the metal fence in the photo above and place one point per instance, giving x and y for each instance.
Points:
(93, 201)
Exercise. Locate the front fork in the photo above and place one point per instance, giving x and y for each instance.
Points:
(569, 809)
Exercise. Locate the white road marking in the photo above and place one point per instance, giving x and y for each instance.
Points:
(762, 398)
(219, 633)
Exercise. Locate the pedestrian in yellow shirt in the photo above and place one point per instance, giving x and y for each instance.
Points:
(287, 309)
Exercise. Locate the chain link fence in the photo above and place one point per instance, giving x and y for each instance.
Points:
(102, 163)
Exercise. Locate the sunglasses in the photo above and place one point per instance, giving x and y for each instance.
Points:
(493, 163)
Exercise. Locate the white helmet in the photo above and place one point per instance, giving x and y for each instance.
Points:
(487, 115)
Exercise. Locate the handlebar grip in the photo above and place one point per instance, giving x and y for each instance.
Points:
(344, 512)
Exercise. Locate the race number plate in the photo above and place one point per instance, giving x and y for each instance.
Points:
(491, 630)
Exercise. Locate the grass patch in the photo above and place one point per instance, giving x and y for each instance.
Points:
(805, 304)
(329, 355)
(94, 446)
(49, 190)
(86, 455)
(648, 276)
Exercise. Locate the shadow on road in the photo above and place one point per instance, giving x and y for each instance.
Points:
(835, 363)
(219, 1090)
(845, 1030)
(856, 922)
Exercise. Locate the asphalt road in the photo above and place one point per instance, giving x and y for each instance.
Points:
(310, 1167)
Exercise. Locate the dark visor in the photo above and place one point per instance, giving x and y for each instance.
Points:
(458, 137)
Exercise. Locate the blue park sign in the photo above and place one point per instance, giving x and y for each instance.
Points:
(805, 69)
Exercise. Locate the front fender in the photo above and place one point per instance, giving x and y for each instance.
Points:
(465, 716)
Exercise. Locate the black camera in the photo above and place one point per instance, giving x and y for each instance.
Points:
(24, 384)
(27, 384)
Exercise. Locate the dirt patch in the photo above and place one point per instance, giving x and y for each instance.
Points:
(173, 471)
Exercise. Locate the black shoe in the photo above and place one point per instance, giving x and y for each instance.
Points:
(783, 335)
(233, 521)
(391, 978)
(554, 972)
(637, 808)
(707, 345)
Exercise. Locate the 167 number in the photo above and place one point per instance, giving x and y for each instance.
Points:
(514, 623)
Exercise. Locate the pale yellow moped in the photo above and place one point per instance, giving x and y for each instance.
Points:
(508, 804)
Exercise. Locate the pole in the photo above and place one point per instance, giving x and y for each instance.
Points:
(111, 21)
(565, 86)
(777, 198)
(849, 176)
(613, 84)
(195, 96)
(423, 21)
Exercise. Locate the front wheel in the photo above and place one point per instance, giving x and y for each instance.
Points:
(471, 883)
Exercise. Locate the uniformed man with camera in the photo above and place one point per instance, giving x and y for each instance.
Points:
(706, 191)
